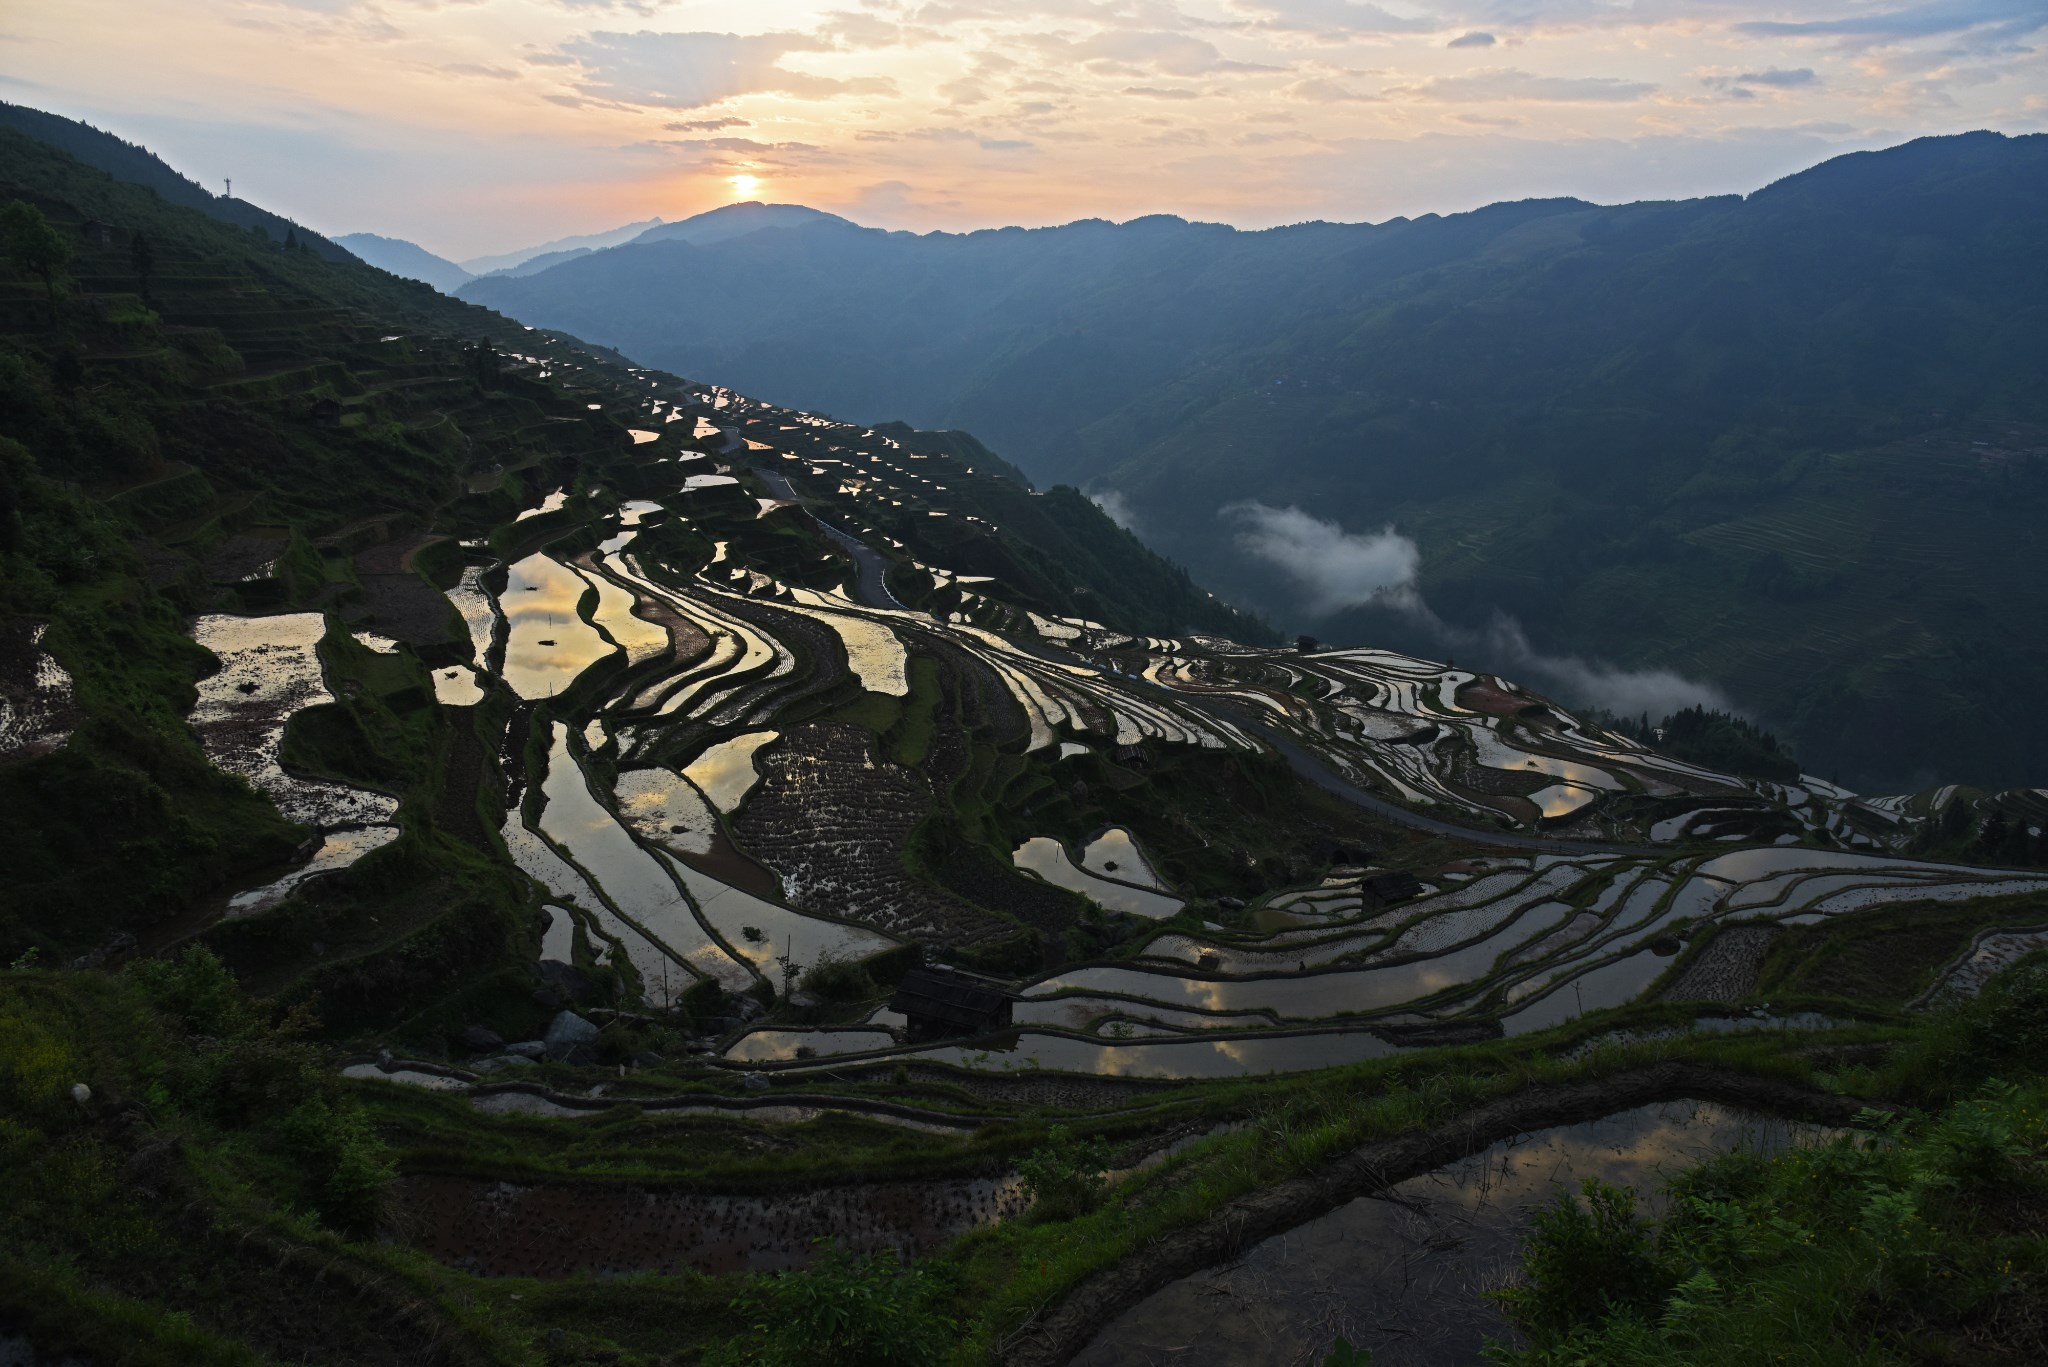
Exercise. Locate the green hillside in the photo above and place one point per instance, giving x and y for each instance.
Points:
(1786, 444)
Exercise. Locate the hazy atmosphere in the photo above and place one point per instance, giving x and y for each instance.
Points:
(1072, 683)
(476, 126)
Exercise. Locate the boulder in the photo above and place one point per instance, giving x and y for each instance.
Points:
(480, 1039)
(755, 1082)
(528, 1049)
(567, 1031)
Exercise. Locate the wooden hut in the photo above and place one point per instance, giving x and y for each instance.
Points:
(939, 1003)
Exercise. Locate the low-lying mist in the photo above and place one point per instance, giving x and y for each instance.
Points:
(1336, 570)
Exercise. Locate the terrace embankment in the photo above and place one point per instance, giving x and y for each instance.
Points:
(1058, 1333)
(501, 1229)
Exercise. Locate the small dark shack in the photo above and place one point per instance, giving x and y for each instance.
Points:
(939, 1004)
(1385, 889)
(98, 233)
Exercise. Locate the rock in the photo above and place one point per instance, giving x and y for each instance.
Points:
(567, 1031)
(755, 1082)
(749, 1008)
(528, 1049)
(385, 1062)
(571, 982)
(480, 1039)
(647, 1058)
(502, 1062)
(81, 1093)
(804, 1001)
(1231, 903)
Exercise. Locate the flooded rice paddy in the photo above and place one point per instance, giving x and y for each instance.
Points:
(1404, 1275)
(36, 712)
(547, 644)
(338, 850)
(1048, 859)
(725, 772)
(270, 669)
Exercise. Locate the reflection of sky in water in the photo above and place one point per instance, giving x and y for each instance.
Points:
(1115, 846)
(1561, 799)
(1314, 995)
(1048, 859)
(725, 771)
(807, 939)
(876, 657)
(1744, 865)
(760, 1046)
(656, 802)
(270, 669)
(551, 504)
(338, 850)
(642, 640)
(1169, 1058)
(1404, 1276)
(547, 645)
(630, 875)
(1496, 754)
(479, 613)
(457, 686)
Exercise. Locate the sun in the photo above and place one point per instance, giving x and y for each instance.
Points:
(744, 186)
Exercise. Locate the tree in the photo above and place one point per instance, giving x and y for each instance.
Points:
(35, 248)
(291, 239)
(142, 255)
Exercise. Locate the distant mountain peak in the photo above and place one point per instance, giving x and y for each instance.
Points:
(736, 220)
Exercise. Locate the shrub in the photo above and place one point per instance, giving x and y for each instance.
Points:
(1064, 1178)
(843, 1310)
(838, 980)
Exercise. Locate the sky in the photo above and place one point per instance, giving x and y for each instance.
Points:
(480, 126)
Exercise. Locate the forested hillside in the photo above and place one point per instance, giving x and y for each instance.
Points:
(1790, 444)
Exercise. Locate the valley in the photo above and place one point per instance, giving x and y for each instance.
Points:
(523, 857)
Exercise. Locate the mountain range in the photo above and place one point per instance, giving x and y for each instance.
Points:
(519, 858)
(1783, 450)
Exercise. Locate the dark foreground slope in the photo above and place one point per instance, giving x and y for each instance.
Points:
(1787, 444)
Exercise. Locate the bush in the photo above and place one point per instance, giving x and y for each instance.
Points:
(842, 1310)
(1064, 1178)
(838, 980)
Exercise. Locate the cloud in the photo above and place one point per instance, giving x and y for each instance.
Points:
(1153, 92)
(943, 135)
(707, 125)
(2000, 21)
(1339, 569)
(1332, 18)
(1780, 78)
(1506, 83)
(495, 73)
(1627, 692)
(690, 70)
(1323, 90)
(1174, 54)
(1474, 39)
(1117, 509)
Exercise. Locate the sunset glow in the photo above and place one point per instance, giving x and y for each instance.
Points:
(479, 126)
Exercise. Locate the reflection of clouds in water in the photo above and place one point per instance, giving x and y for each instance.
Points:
(1048, 859)
(547, 644)
(725, 772)
(655, 802)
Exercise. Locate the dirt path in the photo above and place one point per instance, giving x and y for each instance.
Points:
(1060, 1331)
